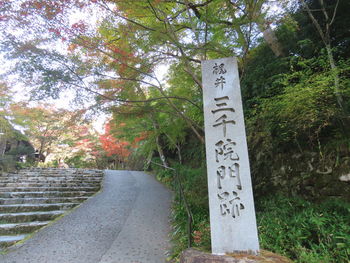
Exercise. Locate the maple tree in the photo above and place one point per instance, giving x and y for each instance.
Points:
(58, 134)
(117, 61)
(44, 125)
(289, 64)
(116, 57)
(114, 147)
(80, 146)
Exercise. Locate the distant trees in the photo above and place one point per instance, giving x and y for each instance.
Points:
(117, 60)
(115, 148)
(13, 144)
(294, 65)
(44, 125)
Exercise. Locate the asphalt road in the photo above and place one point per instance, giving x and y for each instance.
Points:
(128, 222)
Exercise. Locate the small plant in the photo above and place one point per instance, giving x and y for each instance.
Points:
(303, 231)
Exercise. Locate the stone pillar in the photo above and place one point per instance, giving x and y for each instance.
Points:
(232, 214)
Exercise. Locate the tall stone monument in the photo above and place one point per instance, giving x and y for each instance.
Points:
(232, 213)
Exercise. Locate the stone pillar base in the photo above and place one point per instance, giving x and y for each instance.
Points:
(196, 256)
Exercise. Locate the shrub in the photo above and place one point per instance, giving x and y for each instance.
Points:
(303, 231)
(7, 163)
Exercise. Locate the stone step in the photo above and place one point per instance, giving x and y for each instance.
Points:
(76, 170)
(52, 170)
(56, 172)
(21, 228)
(29, 216)
(44, 194)
(87, 183)
(31, 198)
(59, 176)
(60, 172)
(47, 189)
(55, 175)
(50, 181)
(50, 178)
(6, 241)
(42, 200)
(49, 184)
(16, 208)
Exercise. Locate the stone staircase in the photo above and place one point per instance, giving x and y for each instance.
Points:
(32, 198)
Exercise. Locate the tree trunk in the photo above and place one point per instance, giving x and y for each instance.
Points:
(178, 148)
(335, 76)
(179, 153)
(2, 145)
(159, 146)
(325, 36)
(148, 161)
(272, 41)
(161, 153)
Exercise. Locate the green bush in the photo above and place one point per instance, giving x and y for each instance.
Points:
(20, 165)
(194, 184)
(7, 163)
(303, 231)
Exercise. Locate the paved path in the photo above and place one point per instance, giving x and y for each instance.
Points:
(126, 223)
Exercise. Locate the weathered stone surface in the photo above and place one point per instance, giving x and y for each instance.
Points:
(6, 241)
(232, 213)
(27, 227)
(196, 256)
(18, 208)
(30, 216)
(43, 200)
(32, 197)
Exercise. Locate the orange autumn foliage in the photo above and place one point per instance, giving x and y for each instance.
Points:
(113, 146)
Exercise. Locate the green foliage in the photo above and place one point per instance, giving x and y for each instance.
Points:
(79, 161)
(178, 235)
(21, 150)
(28, 164)
(307, 106)
(7, 163)
(302, 119)
(194, 183)
(303, 231)
(298, 135)
(166, 176)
